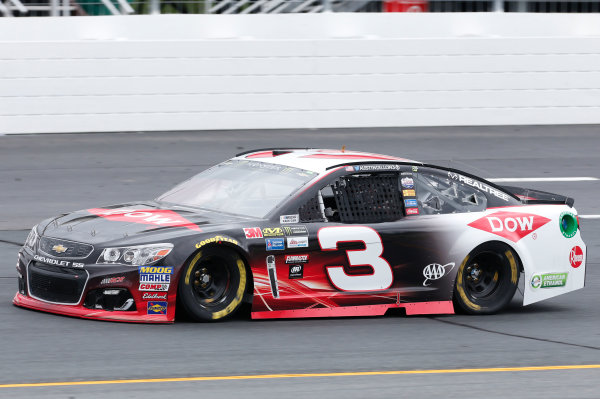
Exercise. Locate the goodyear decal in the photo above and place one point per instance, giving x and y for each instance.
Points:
(216, 239)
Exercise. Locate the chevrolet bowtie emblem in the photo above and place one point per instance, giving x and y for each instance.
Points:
(59, 249)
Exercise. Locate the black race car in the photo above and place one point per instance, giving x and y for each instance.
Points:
(306, 233)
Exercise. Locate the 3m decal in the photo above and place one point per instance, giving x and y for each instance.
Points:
(216, 239)
(380, 279)
(275, 244)
(113, 280)
(549, 280)
(154, 295)
(435, 271)
(576, 257)
(157, 307)
(295, 230)
(153, 287)
(296, 271)
(253, 232)
(408, 193)
(157, 217)
(296, 258)
(510, 225)
(272, 232)
(287, 219)
(297, 242)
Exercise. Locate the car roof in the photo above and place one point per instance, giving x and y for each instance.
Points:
(317, 160)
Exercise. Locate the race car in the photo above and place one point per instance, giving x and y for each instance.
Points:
(306, 233)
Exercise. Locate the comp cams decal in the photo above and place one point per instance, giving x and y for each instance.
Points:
(155, 278)
(157, 217)
(510, 225)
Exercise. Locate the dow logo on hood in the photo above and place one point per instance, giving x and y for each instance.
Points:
(157, 217)
(510, 225)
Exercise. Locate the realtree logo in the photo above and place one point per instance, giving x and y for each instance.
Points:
(510, 225)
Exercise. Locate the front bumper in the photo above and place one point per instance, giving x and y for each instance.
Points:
(139, 316)
(90, 302)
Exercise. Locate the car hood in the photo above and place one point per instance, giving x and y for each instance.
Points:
(138, 221)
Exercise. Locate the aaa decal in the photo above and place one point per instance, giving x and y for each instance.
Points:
(156, 217)
(510, 225)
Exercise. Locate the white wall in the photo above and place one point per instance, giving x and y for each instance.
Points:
(188, 72)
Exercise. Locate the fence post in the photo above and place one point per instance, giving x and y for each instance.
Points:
(154, 6)
(499, 5)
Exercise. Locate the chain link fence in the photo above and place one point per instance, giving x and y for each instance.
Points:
(22, 8)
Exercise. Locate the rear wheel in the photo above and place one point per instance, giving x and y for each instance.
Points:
(213, 283)
(487, 279)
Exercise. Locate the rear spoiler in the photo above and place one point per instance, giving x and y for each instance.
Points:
(534, 197)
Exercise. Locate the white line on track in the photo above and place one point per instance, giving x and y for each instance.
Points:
(525, 179)
(589, 216)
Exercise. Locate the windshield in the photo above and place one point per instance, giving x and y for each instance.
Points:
(242, 187)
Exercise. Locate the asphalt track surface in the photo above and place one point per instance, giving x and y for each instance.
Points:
(42, 175)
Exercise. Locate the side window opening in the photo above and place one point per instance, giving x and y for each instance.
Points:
(439, 194)
(361, 198)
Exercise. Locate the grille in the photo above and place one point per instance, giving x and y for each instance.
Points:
(74, 249)
(56, 284)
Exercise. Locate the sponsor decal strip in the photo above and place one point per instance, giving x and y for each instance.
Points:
(304, 375)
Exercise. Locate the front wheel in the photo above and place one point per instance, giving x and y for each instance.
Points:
(213, 283)
(487, 279)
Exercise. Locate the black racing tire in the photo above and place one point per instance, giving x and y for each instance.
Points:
(487, 279)
(212, 284)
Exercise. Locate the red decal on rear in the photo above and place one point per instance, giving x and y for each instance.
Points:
(510, 225)
(157, 217)
(576, 257)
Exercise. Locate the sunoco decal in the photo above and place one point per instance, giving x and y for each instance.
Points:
(157, 217)
(157, 308)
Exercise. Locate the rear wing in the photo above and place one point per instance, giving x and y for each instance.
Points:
(534, 197)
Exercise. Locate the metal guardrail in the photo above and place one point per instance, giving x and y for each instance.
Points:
(123, 7)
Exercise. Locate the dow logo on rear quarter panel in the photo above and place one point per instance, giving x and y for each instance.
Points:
(510, 225)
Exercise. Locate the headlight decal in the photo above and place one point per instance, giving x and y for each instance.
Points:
(137, 255)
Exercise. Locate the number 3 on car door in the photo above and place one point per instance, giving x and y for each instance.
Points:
(380, 279)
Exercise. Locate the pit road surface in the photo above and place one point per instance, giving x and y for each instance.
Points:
(42, 175)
